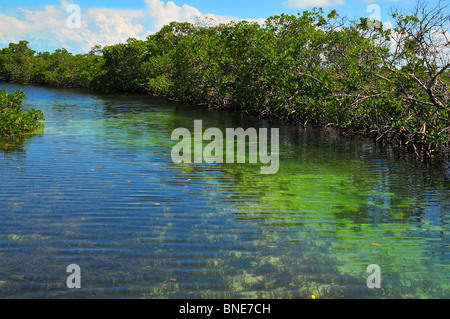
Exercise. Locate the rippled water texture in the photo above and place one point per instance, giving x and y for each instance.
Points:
(99, 189)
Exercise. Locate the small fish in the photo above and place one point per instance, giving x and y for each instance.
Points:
(376, 244)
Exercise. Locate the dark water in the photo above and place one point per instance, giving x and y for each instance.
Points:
(99, 189)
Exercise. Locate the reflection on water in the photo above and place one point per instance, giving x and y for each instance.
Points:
(99, 189)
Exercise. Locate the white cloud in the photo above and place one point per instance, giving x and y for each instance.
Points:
(46, 28)
(111, 26)
(164, 13)
(294, 4)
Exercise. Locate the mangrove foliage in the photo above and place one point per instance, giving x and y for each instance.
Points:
(15, 122)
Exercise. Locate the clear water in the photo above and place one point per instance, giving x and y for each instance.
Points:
(99, 189)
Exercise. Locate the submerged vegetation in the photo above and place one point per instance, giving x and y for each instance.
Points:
(311, 68)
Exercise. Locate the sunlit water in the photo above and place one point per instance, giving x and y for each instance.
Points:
(99, 189)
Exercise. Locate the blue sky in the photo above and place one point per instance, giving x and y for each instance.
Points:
(44, 23)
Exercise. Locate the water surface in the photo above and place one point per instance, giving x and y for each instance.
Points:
(99, 189)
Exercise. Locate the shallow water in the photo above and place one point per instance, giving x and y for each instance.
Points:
(99, 189)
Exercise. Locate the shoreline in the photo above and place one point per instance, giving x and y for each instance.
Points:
(271, 116)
